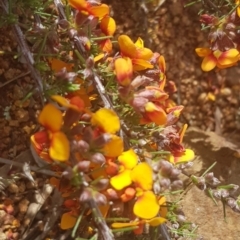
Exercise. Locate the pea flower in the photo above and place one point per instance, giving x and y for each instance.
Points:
(86, 8)
(51, 118)
(139, 55)
(212, 59)
(107, 121)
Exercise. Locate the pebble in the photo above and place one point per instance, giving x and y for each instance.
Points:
(13, 188)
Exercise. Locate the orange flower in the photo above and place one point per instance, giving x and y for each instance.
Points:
(59, 147)
(142, 177)
(139, 55)
(124, 70)
(128, 160)
(107, 121)
(85, 7)
(154, 113)
(217, 58)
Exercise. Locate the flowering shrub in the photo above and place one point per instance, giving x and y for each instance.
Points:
(112, 127)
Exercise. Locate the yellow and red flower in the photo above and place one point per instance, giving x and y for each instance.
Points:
(139, 55)
(86, 8)
(59, 148)
(212, 59)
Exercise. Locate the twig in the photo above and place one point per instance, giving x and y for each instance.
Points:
(25, 51)
(15, 78)
(34, 169)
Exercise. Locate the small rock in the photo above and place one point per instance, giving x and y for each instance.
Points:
(23, 205)
(13, 123)
(23, 116)
(13, 188)
(225, 92)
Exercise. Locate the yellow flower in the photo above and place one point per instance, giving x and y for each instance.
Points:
(85, 7)
(51, 118)
(128, 160)
(123, 70)
(106, 119)
(139, 55)
(217, 58)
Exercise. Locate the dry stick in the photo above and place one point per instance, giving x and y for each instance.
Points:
(14, 79)
(34, 169)
(25, 51)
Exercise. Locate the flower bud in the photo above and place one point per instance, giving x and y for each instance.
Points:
(174, 173)
(165, 183)
(112, 194)
(209, 177)
(86, 195)
(83, 166)
(156, 166)
(207, 19)
(177, 185)
(156, 188)
(85, 117)
(101, 184)
(231, 203)
(88, 134)
(82, 146)
(97, 158)
(100, 199)
(100, 141)
(166, 167)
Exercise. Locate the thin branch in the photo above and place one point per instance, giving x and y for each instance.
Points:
(34, 169)
(26, 52)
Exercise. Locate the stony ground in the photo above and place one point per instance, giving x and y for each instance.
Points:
(211, 103)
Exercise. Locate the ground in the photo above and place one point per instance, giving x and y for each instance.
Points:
(211, 103)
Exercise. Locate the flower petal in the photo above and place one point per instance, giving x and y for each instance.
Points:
(141, 64)
(156, 221)
(128, 159)
(203, 52)
(139, 43)
(75, 103)
(113, 148)
(106, 119)
(68, 221)
(229, 57)
(155, 113)
(127, 46)
(60, 147)
(108, 26)
(144, 53)
(51, 118)
(105, 46)
(146, 206)
(142, 176)
(209, 63)
(123, 225)
(121, 180)
(186, 156)
(162, 64)
(99, 11)
(124, 70)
